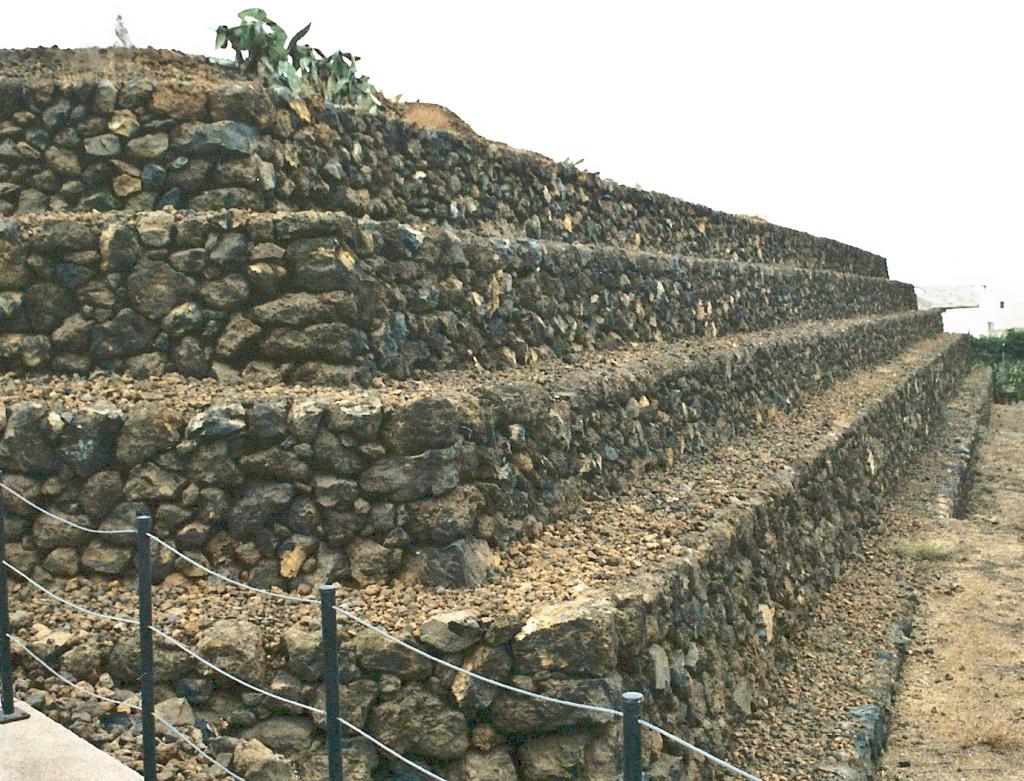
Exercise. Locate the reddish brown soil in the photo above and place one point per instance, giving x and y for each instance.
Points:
(435, 117)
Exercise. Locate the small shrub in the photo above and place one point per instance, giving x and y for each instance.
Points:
(1005, 354)
(262, 46)
(1008, 378)
(1001, 738)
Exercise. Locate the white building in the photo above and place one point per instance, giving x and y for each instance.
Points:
(978, 310)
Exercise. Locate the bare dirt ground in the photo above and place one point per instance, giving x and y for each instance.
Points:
(844, 659)
(960, 713)
(48, 65)
(433, 116)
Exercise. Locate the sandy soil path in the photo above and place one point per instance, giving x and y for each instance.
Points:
(960, 712)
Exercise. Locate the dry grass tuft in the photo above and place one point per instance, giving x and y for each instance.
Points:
(1001, 738)
(926, 550)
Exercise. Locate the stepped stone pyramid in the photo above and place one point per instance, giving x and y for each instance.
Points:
(614, 439)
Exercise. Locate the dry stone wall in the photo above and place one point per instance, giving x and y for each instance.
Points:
(525, 334)
(698, 636)
(300, 486)
(321, 298)
(739, 600)
(143, 145)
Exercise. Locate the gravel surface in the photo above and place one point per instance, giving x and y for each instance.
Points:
(659, 516)
(193, 393)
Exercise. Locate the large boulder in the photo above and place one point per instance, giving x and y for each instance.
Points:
(169, 663)
(127, 333)
(578, 637)
(120, 246)
(418, 722)
(150, 482)
(262, 505)
(176, 711)
(27, 442)
(424, 424)
(87, 439)
(465, 563)
(100, 493)
(212, 138)
(552, 757)
(297, 310)
(239, 335)
(288, 735)
(371, 562)
(154, 288)
(105, 559)
(494, 765)
(305, 655)
(514, 714)
(491, 661)
(403, 479)
(444, 519)
(376, 653)
(255, 762)
(220, 420)
(451, 632)
(236, 646)
(148, 430)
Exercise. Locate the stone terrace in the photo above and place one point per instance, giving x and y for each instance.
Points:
(567, 434)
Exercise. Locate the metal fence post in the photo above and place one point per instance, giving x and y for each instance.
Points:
(632, 752)
(8, 712)
(144, 565)
(329, 640)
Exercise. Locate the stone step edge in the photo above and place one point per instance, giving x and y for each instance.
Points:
(335, 301)
(517, 455)
(790, 480)
(63, 231)
(871, 721)
(953, 497)
(628, 372)
(536, 650)
(252, 103)
(622, 610)
(478, 412)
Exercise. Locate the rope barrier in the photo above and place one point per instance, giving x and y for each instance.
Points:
(57, 518)
(699, 751)
(388, 750)
(294, 703)
(476, 676)
(124, 704)
(384, 633)
(240, 681)
(238, 584)
(69, 603)
(361, 622)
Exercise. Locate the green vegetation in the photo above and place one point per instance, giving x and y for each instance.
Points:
(927, 550)
(1005, 354)
(262, 46)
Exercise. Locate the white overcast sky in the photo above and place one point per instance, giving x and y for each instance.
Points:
(893, 126)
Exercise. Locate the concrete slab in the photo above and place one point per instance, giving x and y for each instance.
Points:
(40, 749)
